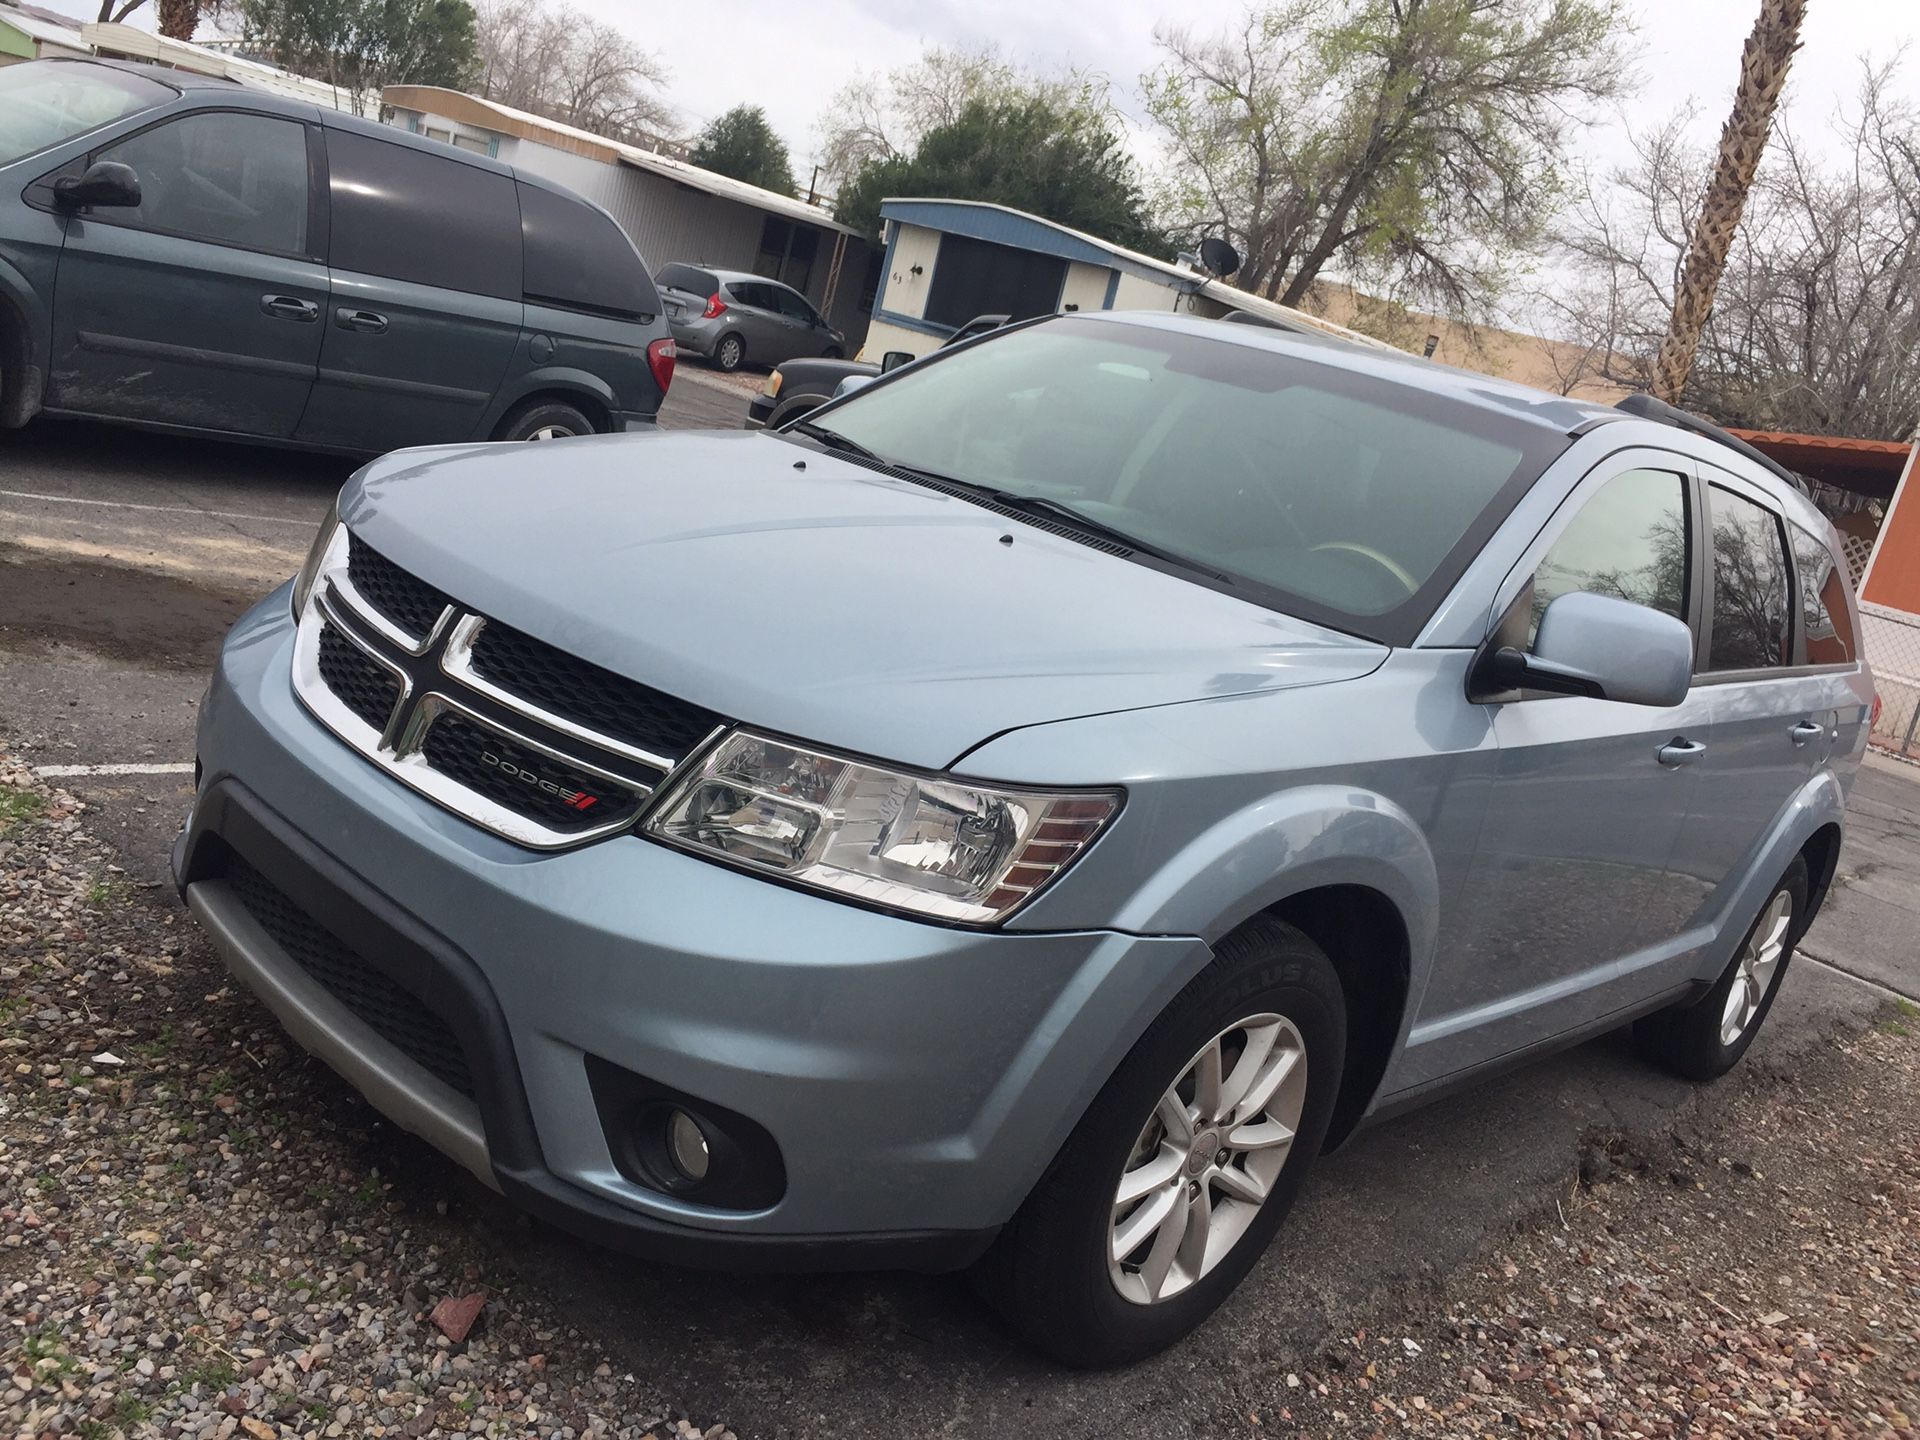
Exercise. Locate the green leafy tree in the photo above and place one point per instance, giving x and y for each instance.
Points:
(1417, 145)
(1024, 152)
(362, 46)
(742, 144)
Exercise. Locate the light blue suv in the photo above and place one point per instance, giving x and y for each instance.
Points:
(1024, 814)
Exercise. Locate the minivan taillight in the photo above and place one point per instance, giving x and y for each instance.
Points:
(661, 355)
(716, 307)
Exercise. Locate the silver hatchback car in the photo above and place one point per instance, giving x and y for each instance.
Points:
(734, 318)
(1022, 815)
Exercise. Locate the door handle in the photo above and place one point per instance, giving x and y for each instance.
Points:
(1806, 730)
(365, 321)
(289, 307)
(1680, 751)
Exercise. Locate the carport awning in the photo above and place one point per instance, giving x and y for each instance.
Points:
(1866, 467)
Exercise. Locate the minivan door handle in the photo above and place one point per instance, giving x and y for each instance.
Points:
(1680, 751)
(289, 307)
(367, 322)
(1805, 731)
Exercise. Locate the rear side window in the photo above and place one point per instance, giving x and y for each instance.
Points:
(1825, 619)
(1751, 629)
(223, 176)
(685, 277)
(423, 218)
(793, 306)
(748, 292)
(1628, 541)
(576, 256)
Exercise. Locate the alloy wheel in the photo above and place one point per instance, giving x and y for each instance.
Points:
(551, 432)
(1759, 960)
(1207, 1158)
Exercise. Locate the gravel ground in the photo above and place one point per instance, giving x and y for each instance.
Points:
(202, 1233)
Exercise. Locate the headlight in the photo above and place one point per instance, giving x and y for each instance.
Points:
(925, 844)
(316, 557)
(773, 385)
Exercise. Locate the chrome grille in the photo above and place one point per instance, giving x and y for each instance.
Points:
(536, 745)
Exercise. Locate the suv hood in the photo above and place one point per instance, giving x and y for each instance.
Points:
(805, 594)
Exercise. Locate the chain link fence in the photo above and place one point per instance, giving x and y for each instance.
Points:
(1891, 640)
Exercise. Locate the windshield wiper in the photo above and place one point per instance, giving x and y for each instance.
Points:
(834, 440)
(1079, 520)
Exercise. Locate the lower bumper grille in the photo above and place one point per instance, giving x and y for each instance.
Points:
(377, 1001)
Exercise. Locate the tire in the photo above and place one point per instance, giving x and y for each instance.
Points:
(1692, 1039)
(545, 420)
(834, 352)
(731, 353)
(1049, 1273)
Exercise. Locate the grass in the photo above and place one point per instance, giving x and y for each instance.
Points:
(1904, 1011)
(19, 806)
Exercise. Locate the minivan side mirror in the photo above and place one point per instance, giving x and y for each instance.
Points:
(894, 359)
(853, 383)
(1598, 646)
(105, 183)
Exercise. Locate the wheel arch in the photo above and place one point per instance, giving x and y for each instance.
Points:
(587, 402)
(20, 377)
(1822, 854)
(581, 388)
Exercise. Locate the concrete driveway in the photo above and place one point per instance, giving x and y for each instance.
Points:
(123, 558)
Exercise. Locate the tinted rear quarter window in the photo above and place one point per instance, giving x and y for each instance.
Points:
(1751, 630)
(1825, 619)
(687, 278)
(576, 256)
(428, 219)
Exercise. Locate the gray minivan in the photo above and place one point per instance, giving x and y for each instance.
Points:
(735, 318)
(178, 251)
(1023, 813)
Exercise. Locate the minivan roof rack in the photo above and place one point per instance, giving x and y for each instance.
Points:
(1647, 407)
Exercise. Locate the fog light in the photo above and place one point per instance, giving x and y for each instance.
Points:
(687, 1144)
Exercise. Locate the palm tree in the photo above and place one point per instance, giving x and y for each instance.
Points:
(179, 18)
(1763, 75)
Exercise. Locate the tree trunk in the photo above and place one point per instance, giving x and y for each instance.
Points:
(179, 18)
(1763, 74)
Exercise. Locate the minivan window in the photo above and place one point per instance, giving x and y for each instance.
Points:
(220, 175)
(1825, 619)
(1331, 493)
(685, 277)
(1751, 630)
(427, 219)
(41, 105)
(577, 256)
(1628, 541)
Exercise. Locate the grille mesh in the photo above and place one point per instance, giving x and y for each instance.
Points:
(410, 603)
(584, 693)
(454, 746)
(364, 687)
(391, 1011)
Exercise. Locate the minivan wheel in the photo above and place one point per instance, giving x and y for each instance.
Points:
(1183, 1167)
(731, 353)
(1705, 1038)
(544, 420)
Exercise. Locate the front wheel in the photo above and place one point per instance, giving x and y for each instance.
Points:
(1704, 1039)
(731, 353)
(1185, 1164)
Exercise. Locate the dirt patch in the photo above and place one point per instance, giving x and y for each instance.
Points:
(151, 619)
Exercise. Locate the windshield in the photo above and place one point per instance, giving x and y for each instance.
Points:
(1331, 494)
(43, 104)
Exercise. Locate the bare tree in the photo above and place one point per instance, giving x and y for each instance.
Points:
(1816, 324)
(112, 12)
(1764, 64)
(552, 60)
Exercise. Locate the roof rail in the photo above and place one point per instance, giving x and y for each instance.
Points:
(1646, 407)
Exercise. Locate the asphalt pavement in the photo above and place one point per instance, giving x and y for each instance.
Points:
(123, 558)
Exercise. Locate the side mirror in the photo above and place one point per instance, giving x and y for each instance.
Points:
(106, 183)
(894, 359)
(1598, 646)
(853, 383)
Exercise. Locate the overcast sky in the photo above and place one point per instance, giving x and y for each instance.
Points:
(791, 58)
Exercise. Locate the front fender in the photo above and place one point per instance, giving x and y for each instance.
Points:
(25, 338)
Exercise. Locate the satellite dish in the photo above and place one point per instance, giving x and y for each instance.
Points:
(1218, 256)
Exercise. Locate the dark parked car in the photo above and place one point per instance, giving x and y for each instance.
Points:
(734, 318)
(181, 252)
(803, 385)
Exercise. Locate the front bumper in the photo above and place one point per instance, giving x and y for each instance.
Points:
(916, 1079)
(760, 410)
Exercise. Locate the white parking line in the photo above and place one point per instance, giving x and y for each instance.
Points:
(68, 772)
(161, 509)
